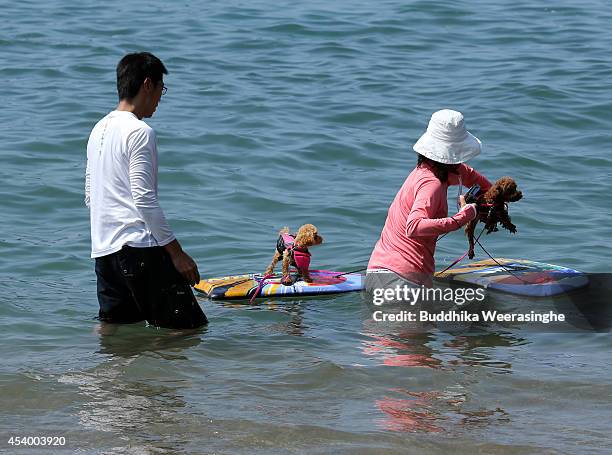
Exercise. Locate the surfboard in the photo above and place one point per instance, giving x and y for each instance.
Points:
(514, 276)
(244, 286)
(517, 276)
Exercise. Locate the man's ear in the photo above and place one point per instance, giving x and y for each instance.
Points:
(148, 84)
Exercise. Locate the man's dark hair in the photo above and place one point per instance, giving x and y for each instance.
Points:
(133, 69)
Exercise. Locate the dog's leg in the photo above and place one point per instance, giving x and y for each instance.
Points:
(275, 260)
(469, 231)
(306, 276)
(491, 223)
(286, 280)
(507, 223)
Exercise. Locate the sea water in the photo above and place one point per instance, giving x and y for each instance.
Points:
(277, 114)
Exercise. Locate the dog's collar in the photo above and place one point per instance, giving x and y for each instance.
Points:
(486, 204)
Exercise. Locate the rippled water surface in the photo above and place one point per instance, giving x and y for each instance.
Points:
(280, 113)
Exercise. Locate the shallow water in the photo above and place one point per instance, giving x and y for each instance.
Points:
(279, 114)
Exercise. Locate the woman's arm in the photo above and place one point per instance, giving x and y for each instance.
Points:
(420, 222)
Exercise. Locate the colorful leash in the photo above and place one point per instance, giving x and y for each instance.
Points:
(457, 261)
(260, 286)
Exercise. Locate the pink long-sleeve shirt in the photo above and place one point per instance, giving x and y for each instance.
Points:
(416, 217)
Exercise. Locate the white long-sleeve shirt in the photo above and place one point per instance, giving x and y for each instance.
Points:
(121, 186)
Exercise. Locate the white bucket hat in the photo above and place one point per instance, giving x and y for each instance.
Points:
(447, 140)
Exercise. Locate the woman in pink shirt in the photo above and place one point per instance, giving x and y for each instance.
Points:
(419, 212)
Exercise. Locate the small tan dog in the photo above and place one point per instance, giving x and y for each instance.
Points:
(294, 251)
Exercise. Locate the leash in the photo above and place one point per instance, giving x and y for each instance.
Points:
(477, 241)
(458, 260)
(352, 271)
(502, 266)
(260, 286)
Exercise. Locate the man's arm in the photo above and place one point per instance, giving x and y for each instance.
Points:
(183, 263)
(143, 172)
(87, 183)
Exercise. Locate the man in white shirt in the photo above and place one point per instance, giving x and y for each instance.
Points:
(142, 271)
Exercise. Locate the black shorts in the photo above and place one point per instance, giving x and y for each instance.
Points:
(138, 284)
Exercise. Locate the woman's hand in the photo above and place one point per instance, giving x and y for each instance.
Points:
(462, 204)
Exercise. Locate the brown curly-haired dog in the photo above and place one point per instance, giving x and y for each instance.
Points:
(493, 209)
(294, 251)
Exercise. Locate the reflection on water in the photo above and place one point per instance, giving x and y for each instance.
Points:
(139, 389)
(409, 350)
(293, 307)
(410, 414)
(475, 350)
(133, 339)
(448, 404)
(433, 412)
